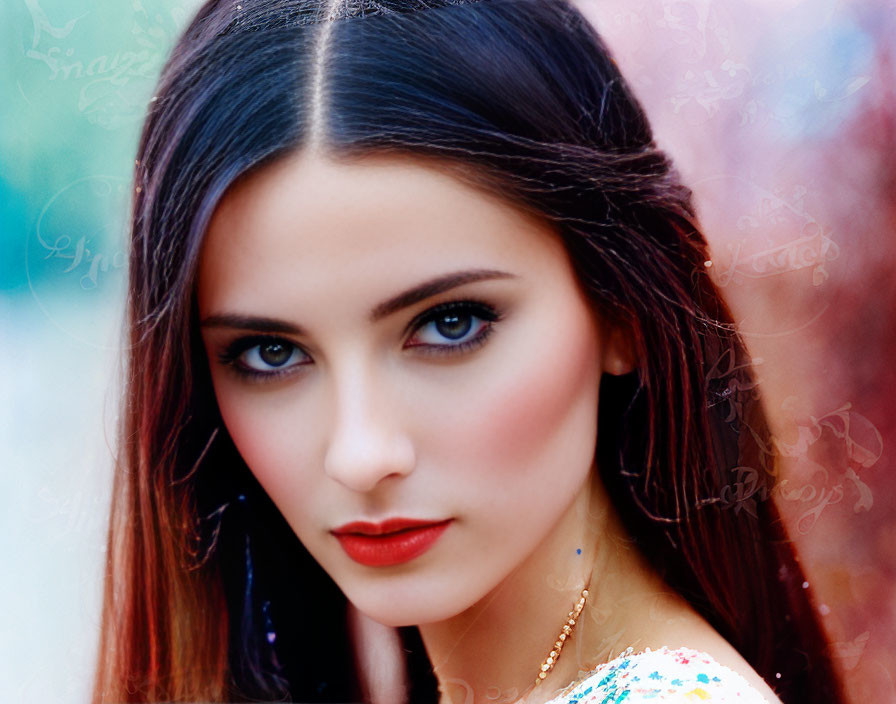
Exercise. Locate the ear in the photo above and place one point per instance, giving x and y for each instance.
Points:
(618, 349)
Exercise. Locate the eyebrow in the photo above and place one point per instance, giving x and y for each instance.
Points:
(418, 293)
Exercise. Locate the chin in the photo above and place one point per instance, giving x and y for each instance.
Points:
(419, 606)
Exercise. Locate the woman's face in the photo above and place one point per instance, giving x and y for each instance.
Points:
(386, 342)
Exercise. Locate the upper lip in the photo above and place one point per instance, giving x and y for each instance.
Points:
(390, 525)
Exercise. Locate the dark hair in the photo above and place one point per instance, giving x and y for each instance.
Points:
(522, 99)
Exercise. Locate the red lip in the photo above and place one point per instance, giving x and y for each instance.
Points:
(391, 542)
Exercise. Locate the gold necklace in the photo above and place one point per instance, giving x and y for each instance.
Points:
(565, 634)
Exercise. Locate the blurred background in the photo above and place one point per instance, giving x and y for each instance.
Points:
(780, 115)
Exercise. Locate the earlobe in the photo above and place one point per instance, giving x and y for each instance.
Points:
(617, 367)
(618, 353)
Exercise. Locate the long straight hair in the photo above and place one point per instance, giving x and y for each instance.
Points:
(209, 594)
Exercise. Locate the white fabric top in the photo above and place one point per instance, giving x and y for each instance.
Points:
(681, 675)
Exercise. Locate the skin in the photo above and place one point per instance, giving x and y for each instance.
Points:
(368, 424)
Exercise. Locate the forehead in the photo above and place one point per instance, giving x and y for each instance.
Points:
(315, 224)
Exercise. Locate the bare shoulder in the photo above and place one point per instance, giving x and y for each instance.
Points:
(693, 632)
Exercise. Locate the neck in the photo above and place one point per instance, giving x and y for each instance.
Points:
(494, 650)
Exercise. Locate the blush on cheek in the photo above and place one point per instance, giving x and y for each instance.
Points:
(541, 402)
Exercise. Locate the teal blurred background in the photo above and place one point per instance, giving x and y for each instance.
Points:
(75, 81)
(75, 84)
(781, 114)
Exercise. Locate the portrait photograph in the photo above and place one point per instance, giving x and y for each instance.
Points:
(448, 351)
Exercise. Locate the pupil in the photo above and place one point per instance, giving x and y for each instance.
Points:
(274, 354)
(454, 326)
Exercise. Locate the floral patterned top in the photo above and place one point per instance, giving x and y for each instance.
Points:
(681, 675)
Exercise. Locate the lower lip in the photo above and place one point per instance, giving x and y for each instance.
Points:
(391, 549)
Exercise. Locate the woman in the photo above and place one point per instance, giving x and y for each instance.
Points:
(422, 335)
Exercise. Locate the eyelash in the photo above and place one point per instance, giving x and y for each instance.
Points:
(476, 309)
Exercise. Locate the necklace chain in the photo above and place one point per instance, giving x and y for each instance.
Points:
(563, 636)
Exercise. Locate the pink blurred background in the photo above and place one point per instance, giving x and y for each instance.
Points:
(781, 116)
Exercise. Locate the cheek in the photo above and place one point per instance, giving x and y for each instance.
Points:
(263, 429)
(532, 420)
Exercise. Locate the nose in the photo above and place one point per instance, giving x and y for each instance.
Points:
(365, 445)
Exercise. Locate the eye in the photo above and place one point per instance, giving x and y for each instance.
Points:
(262, 357)
(453, 327)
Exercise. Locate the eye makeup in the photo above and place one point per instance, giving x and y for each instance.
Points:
(232, 355)
(450, 313)
(438, 319)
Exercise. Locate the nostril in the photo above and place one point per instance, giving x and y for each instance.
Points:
(361, 461)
